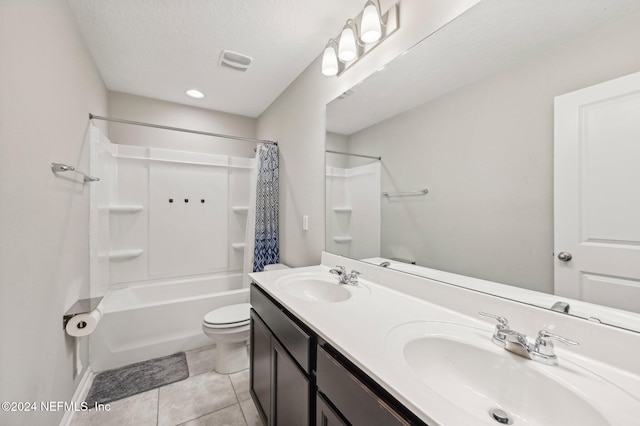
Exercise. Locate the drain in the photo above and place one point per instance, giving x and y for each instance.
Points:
(501, 416)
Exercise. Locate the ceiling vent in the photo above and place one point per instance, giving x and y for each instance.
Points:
(235, 61)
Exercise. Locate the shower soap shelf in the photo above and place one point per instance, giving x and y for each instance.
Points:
(126, 208)
(342, 239)
(125, 254)
(240, 209)
(238, 246)
(342, 209)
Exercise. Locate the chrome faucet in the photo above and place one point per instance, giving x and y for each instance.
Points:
(542, 350)
(341, 272)
(561, 307)
(517, 343)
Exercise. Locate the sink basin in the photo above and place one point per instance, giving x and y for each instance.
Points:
(317, 287)
(461, 365)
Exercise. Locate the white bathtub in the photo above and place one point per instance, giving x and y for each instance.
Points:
(150, 320)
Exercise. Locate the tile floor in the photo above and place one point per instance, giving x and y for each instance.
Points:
(206, 398)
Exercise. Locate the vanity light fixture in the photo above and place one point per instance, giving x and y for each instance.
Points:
(195, 94)
(358, 37)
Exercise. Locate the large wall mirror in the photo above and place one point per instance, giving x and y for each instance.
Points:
(442, 163)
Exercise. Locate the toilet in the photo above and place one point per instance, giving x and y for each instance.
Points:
(228, 326)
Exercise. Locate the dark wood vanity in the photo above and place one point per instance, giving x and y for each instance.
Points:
(298, 379)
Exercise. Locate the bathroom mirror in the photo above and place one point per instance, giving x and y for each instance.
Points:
(464, 125)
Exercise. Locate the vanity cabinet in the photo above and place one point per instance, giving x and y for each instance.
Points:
(260, 366)
(297, 379)
(280, 364)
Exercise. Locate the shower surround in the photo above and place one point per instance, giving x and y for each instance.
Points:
(167, 238)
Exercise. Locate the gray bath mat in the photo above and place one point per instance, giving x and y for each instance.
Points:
(136, 378)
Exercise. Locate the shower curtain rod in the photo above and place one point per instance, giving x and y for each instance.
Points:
(179, 129)
(353, 155)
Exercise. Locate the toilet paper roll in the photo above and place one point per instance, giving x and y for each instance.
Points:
(83, 324)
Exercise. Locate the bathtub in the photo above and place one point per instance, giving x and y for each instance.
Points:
(144, 321)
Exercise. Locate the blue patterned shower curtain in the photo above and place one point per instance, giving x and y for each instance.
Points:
(267, 249)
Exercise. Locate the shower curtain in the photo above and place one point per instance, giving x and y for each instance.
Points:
(266, 250)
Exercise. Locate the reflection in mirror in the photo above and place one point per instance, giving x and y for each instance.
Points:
(469, 114)
(352, 202)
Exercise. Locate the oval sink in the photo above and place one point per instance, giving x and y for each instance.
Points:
(316, 287)
(462, 365)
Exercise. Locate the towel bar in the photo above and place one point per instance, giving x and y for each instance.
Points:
(59, 167)
(406, 193)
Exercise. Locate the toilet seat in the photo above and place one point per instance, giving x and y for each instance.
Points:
(228, 316)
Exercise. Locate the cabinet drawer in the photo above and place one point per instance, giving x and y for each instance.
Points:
(297, 341)
(355, 400)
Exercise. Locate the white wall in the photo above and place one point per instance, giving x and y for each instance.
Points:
(147, 110)
(340, 143)
(486, 153)
(297, 121)
(48, 86)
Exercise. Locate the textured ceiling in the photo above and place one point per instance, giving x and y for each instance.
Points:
(160, 48)
(488, 38)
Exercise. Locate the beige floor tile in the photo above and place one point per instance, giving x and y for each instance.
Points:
(230, 416)
(136, 410)
(192, 398)
(250, 413)
(240, 381)
(201, 360)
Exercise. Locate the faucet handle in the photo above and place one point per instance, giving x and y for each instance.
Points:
(544, 350)
(338, 270)
(503, 323)
(499, 337)
(353, 276)
(544, 342)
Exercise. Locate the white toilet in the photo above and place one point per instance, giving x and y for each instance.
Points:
(229, 328)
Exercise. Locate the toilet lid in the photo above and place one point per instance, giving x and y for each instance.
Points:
(229, 314)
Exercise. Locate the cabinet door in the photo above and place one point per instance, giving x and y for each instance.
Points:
(325, 416)
(260, 367)
(291, 390)
(356, 401)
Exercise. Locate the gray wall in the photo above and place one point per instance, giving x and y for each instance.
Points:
(147, 110)
(48, 86)
(486, 153)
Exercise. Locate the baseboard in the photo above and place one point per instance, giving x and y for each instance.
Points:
(79, 395)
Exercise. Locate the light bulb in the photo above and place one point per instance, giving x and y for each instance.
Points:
(347, 45)
(329, 61)
(370, 28)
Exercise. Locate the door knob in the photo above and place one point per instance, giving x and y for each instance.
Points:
(564, 256)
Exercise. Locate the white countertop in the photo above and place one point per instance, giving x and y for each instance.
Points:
(359, 328)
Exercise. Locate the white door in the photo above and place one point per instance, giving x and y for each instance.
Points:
(597, 194)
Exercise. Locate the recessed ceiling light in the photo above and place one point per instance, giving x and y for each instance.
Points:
(196, 94)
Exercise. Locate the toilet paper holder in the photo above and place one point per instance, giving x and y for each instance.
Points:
(82, 306)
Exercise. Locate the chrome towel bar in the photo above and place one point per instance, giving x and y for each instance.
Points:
(406, 193)
(59, 167)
